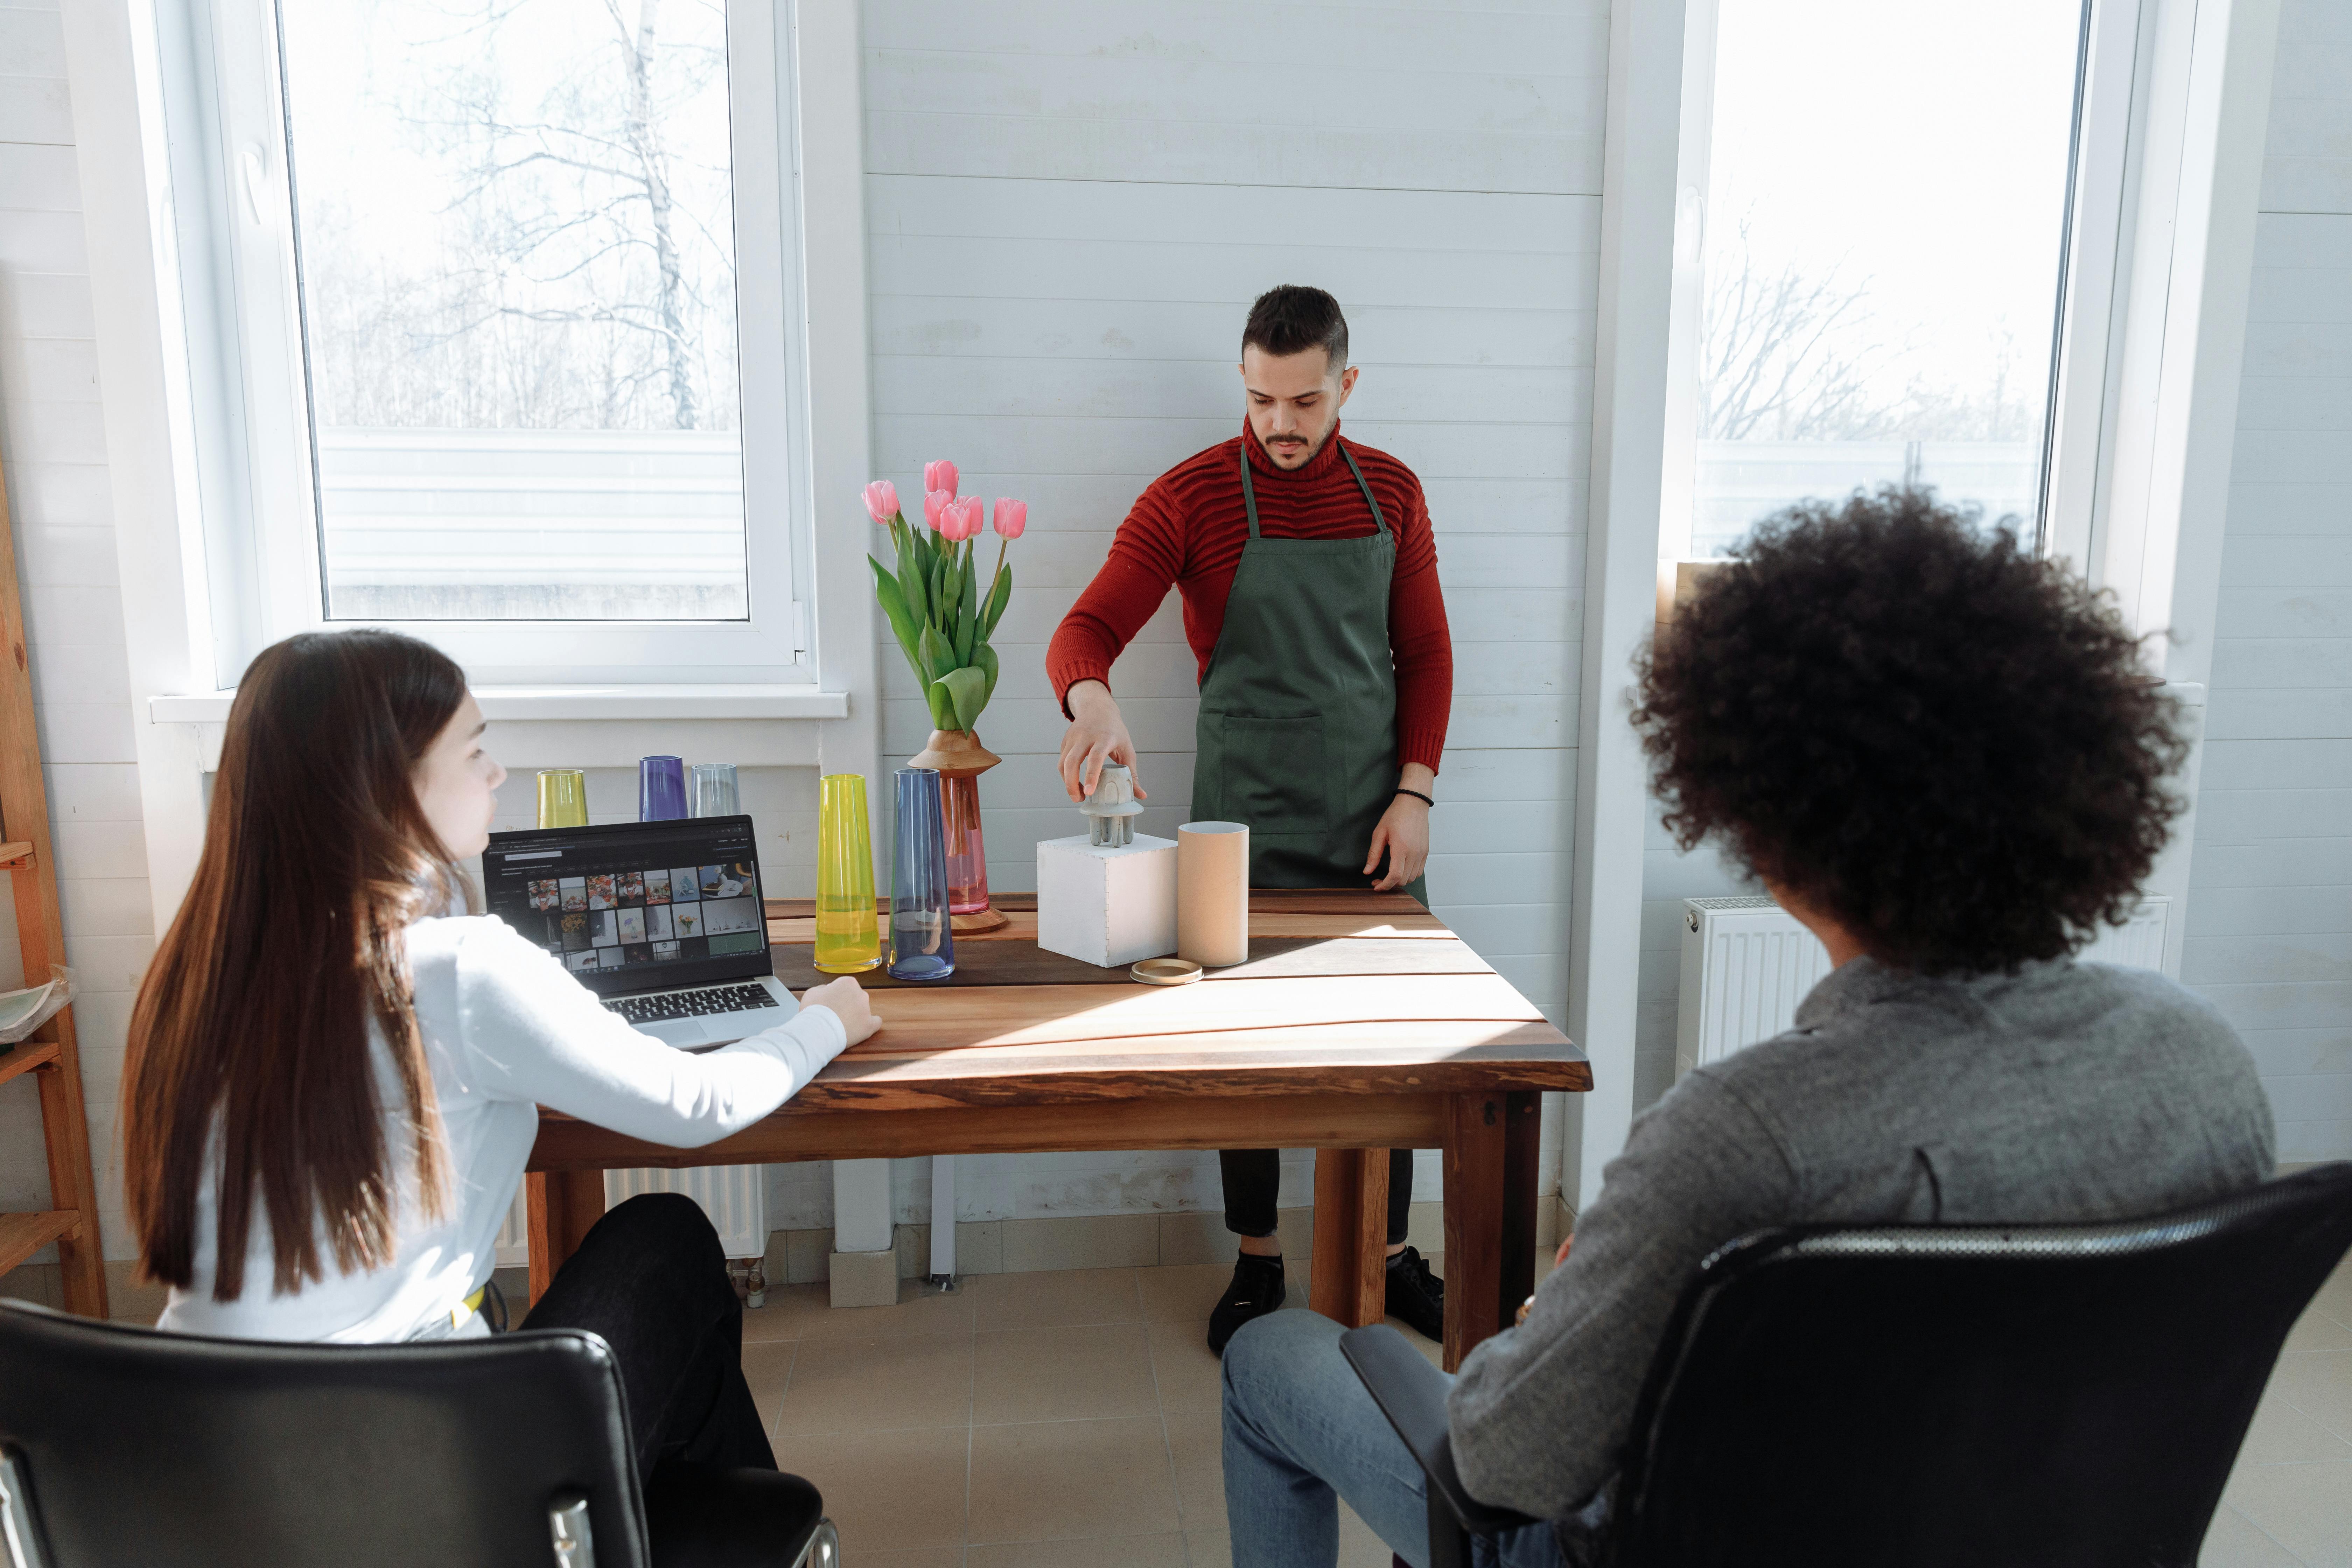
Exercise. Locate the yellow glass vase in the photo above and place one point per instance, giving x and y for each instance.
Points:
(848, 937)
(562, 798)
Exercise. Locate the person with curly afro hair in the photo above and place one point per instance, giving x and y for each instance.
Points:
(1944, 755)
(1945, 744)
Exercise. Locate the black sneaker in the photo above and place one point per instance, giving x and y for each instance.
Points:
(1257, 1289)
(1417, 1297)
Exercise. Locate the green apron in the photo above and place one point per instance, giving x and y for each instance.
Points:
(1297, 732)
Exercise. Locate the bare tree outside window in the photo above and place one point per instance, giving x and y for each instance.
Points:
(1884, 229)
(1787, 353)
(518, 288)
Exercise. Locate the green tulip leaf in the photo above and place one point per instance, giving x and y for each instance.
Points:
(910, 584)
(950, 593)
(938, 657)
(967, 628)
(942, 706)
(969, 690)
(983, 659)
(999, 597)
(894, 607)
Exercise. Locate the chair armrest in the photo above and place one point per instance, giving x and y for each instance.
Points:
(1411, 1394)
(707, 1516)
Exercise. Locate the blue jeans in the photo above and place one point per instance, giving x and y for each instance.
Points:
(1301, 1432)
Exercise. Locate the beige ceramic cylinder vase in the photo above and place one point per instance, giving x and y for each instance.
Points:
(1213, 893)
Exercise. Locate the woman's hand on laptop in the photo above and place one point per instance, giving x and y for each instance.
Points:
(848, 1001)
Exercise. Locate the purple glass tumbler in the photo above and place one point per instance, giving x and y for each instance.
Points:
(661, 789)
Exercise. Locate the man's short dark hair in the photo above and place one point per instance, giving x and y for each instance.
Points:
(1917, 728)
(1292, 319)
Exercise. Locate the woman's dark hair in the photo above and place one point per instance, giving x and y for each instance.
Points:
(1292, 319)
(1921, 730)
(254, 1018)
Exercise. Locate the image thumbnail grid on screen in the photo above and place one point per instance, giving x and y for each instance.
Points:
(652, 914)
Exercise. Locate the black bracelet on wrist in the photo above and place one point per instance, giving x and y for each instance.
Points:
(1416, 794)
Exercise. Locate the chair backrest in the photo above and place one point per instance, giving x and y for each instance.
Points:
(1968, 1395)
(139, 1447)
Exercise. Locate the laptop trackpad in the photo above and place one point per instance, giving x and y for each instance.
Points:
(677, 1032)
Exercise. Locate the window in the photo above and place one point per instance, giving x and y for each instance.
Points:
(503, 284)
(1888, 187)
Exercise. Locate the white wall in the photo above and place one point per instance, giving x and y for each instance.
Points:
(54, 449)
(2270, 915)
(1070, 206)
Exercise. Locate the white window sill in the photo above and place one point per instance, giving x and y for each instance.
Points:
(518, 703)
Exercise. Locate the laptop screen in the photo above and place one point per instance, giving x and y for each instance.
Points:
(635, 906)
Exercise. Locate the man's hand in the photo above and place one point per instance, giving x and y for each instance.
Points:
(1403, 834)
(1096, 736)
(847, 1001)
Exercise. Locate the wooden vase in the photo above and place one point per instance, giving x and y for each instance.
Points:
(961, 759)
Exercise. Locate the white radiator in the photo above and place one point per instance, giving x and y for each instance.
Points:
(734, 1197)
(1746, 963)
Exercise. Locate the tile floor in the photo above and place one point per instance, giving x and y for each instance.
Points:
(1039, 1420)
(1069, 1420)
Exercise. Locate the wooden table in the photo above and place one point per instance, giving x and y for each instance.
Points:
(1358, 1025)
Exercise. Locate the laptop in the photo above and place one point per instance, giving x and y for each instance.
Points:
(662, 919)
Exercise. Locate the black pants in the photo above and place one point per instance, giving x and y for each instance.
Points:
(651, 1279)
(1253, 1176)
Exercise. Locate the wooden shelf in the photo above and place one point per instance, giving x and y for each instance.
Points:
(23, 1234)
(27, 1056)
(71, 1219)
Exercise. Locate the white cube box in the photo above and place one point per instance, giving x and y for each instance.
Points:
(1107, 907)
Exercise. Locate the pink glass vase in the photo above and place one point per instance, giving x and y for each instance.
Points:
(967, 856)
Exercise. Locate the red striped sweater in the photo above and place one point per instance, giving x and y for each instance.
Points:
(1189, 528)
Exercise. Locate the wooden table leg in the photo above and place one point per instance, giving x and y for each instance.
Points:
(562, 1205)
(80, 1263)
(1351, 1231)
(1490, 1215)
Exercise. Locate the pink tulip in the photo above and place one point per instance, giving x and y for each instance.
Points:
(882, 501)
(971, 514)
(939, 475)
(935, 505)
(1012, 517)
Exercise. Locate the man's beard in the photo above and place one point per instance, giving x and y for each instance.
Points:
(1304, 457)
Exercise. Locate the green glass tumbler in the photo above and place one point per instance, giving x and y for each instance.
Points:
(848, 938)
(562, 798)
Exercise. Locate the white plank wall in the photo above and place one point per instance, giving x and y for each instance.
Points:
(53, 444)
(1072, 204)
(2270, 914)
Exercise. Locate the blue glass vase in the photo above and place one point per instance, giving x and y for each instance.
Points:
(922, 942)
(661, 789)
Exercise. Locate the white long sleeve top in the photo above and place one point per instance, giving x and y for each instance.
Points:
(505, 1030)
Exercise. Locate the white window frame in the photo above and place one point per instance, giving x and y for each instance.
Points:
(262, 557)
(2161, 236)
(2075, 422)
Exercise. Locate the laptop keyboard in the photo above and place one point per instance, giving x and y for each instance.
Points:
(691, 1003)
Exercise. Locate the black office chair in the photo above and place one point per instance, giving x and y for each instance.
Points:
(1936, 1396)
(119, 1444)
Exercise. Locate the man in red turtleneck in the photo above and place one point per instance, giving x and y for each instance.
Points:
(1310, 578)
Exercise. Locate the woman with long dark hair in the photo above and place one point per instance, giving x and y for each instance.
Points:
(335, 1066)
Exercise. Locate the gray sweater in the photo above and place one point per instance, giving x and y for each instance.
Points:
(2064, 1092)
